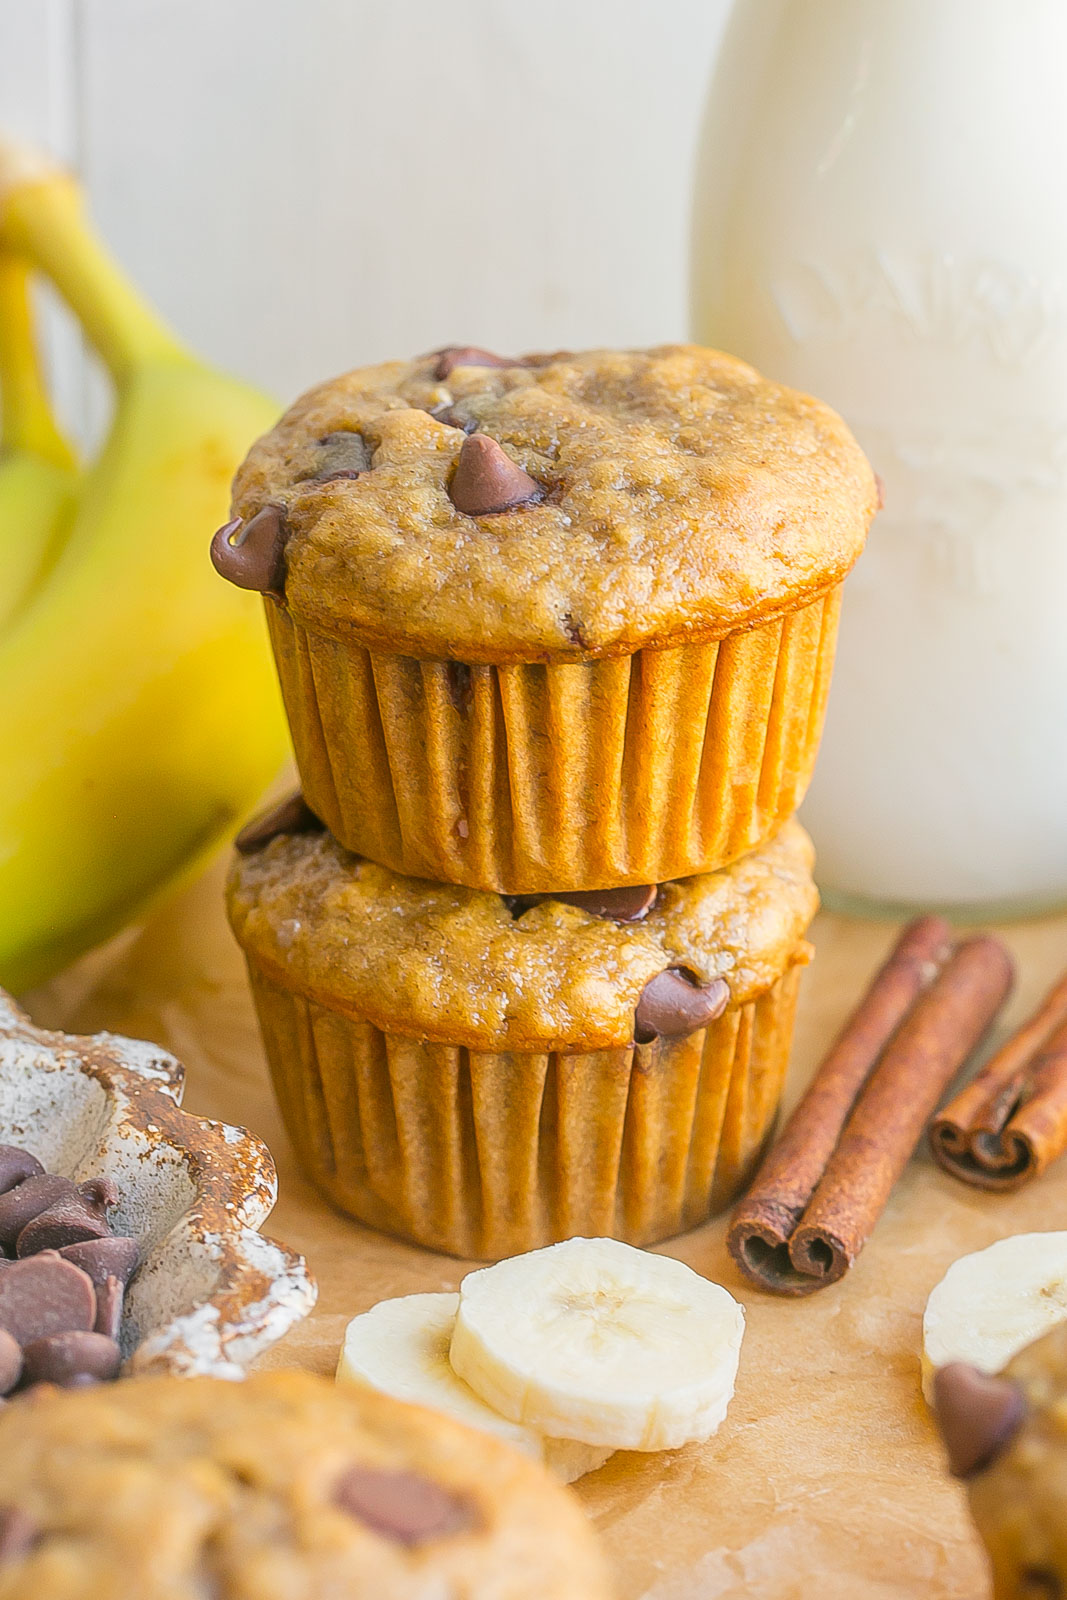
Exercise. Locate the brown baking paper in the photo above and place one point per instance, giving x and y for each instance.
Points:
(826, 1481)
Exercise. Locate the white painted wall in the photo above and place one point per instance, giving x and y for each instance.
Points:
(305, 185)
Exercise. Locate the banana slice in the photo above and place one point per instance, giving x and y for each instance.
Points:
(992, 1303)
(594, 1340)
(401, 1347)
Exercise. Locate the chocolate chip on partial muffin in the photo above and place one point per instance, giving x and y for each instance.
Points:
(978, 1415)
(292, 815)
(109, 1297)
(101, 1259)
(465, 355)
(74, 1217)
(452, 417)
(673, 1004)
(252, 554)
(69, 1359)
(10, 1361)
(16, 1166)
(486, 480)
(1040, 1583)
(18, 1533)
(345, 454)
(403, 1506)
(44, 1294)
(19, 1206)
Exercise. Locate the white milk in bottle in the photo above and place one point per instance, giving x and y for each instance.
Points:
(881, 219)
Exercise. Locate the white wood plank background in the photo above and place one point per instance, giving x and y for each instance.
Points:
(304, 185)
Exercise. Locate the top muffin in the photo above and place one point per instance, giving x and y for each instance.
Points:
(648, 497)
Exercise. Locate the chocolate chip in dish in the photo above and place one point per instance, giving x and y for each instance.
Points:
(277, 1487)
(556, 622)
(63, 1276)
(145, 1226)
(488, 1074)
(1006, 1437)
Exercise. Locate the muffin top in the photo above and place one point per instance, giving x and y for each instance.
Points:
(649, 496)
(283, 1486)
(465, 966)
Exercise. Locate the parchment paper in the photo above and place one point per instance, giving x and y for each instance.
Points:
(826, 1481)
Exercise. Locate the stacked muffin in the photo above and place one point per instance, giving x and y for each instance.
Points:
(554, 637)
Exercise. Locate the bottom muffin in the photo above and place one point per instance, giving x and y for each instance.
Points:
(279, 1487)
(486, 1075)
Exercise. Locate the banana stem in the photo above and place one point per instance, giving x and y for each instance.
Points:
(42, 216)
(26, 418)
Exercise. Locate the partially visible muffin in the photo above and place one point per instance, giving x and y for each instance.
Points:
(486, 1075)
(553, 622)
(279, 1488)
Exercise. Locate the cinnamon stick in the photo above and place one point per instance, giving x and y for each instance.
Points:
(824, 1185)
(764, 1221)
(1011, 1122)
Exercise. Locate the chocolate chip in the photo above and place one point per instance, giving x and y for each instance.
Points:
(10, 1361)
(403, 1506)
(630, 904)
(16, 1166)
(292, 815)
(101, 1194)
(252, 554)
(77, 1216)
(68, 1359)
(1040, 1583)
(465, 355)
(673, 1004)
(109, 1308)
(452, 417)
(340, 455)
(20, 1205)
(102, 1259)
(18, 1533)
(487, 481)
(43, 1295)
(978, 1415)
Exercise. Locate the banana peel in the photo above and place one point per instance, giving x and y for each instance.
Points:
(140, 718)
(37, 467)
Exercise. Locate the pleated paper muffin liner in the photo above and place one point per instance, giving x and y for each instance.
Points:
(485, 1154)
(577, 775)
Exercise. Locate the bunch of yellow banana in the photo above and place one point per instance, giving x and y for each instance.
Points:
(139, 716)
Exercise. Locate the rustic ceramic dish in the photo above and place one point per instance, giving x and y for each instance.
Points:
(211, 1293)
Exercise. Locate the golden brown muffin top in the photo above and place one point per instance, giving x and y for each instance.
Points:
(283, 1487)
(442, 962)
(682, 496)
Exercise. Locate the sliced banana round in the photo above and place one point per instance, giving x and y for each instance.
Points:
(595, 1340)
(992, 1303)
(400, 1347)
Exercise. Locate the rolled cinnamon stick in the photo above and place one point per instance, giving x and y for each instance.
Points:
(765, 1219)
(1007, 1125)
(944, 1023)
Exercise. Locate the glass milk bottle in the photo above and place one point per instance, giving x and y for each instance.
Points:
(881, 219)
